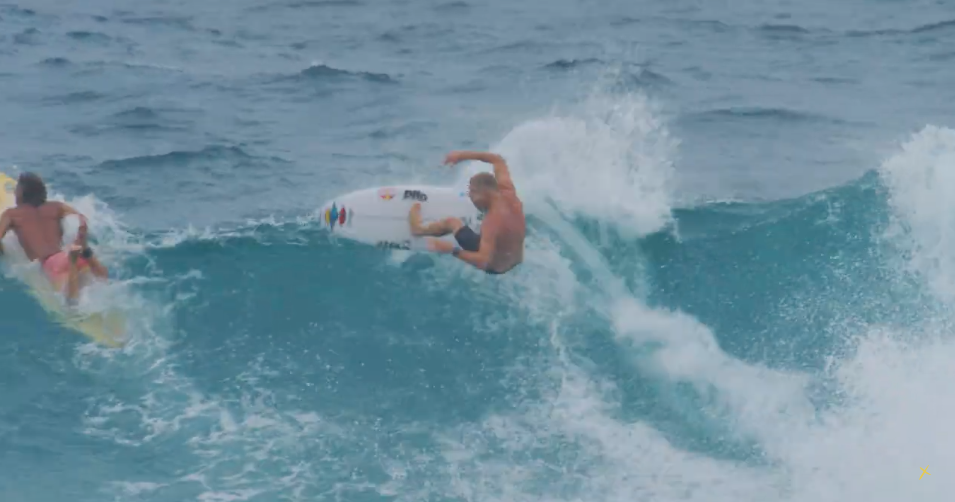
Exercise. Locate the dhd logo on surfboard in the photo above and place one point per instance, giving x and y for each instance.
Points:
(417, 195)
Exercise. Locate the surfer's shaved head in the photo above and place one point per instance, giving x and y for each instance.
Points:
(31, 190)
(483, 181)
(481, 190)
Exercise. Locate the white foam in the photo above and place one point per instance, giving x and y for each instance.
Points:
(921, 180)
(609, 160)
(574, 443)
(568, 438)
(570, 446)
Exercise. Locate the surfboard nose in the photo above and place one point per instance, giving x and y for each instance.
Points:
(334, 215)
(379, 215)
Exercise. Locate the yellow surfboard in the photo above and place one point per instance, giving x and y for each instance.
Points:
(106, 328)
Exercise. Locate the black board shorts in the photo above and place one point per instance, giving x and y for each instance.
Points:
(469, 240)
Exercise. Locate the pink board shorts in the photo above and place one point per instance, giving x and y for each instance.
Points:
(57, 266)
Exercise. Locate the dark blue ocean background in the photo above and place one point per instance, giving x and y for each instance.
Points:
(739, 277)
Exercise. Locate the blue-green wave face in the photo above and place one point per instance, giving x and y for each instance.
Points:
(764, 351)
(765, 341)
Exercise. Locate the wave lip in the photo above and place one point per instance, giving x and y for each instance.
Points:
(921, 180)
(139, 119)
(306, 4)
(89, 36)
(323, 73)
(775, 114)
(610, 159)
(56, 62)
(939, 26)
(233, 156)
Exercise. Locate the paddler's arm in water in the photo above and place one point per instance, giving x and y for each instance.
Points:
(97, 268)
(66, 210)
(5, 224)
(501, 172)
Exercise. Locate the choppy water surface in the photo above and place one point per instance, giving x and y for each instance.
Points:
(738, 284)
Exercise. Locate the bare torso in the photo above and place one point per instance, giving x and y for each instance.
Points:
(38, 229)
(506, 221)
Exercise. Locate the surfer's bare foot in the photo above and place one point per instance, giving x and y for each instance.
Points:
(414, 219)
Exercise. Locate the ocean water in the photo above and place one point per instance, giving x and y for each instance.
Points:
(739, 278)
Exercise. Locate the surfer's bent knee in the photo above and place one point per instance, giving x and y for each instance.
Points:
(452, 224)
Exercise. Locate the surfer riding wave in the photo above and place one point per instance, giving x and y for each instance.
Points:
(499, 246)
(37, 224)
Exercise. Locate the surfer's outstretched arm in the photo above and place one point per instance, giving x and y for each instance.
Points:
(501, 172)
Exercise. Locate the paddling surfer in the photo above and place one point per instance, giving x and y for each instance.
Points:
(37, 224)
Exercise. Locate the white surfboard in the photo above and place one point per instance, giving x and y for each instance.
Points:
(379, 216)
